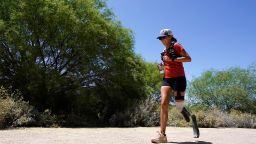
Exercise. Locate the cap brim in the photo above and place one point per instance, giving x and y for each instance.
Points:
(161, 36)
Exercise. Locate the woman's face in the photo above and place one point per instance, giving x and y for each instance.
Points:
(166, 40)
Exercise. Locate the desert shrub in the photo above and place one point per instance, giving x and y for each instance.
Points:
(241, 120)
(218, 118)
(45, 119)
(15, 112)
(146, 113)
(213, 118)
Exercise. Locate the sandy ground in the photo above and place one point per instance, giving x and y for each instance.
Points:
(139, 135)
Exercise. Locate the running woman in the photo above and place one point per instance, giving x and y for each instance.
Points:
(174, 79)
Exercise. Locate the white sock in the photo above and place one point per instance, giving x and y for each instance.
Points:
(179, 105)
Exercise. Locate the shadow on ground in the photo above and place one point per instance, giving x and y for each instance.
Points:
(198, 142)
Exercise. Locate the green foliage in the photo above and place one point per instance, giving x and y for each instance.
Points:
(70, 57)
(2, 26)
(144, 111)
(233, 88)
(153, 78)
(45, 119)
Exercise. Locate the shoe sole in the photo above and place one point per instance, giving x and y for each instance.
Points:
(195, 127)
(158, 141)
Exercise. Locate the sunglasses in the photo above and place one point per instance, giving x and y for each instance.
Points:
(161, 38)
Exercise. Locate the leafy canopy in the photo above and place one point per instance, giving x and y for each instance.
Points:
(234, 88)
(71, 56)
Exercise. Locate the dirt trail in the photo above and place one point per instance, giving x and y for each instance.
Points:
(139, 135)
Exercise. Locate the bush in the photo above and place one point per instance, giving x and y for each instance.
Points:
(213, 118)
(45, 119)
(241, 120)
(146, 113)
(217, 118)
(15, 112)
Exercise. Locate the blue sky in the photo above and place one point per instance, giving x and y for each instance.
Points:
(218, 34)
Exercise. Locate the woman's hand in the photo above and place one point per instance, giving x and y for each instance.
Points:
(166, 58)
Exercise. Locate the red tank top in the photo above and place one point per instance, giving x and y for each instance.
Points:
(174, 69)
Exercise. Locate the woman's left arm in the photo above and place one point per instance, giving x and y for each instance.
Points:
(184, 57)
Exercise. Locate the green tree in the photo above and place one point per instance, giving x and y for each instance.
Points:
(233, 88)
(153, 78)
(70, 56)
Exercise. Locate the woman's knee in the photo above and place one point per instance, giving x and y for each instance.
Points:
(179, 96)
(165, 90)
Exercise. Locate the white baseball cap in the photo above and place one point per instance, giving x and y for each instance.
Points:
(164, 33)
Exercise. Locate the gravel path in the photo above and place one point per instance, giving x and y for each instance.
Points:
(139, 135)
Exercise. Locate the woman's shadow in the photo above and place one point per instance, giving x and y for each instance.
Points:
(197, 142)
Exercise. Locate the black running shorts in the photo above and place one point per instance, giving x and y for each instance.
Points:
(176, 83)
